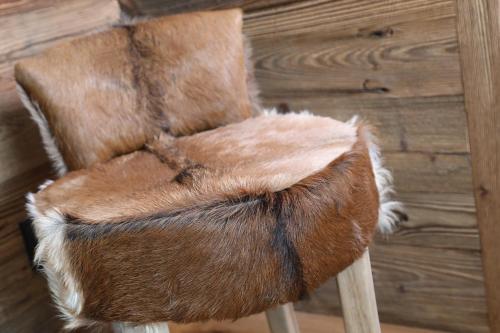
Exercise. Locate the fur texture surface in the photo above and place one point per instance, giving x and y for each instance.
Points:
(181, 208)
(108, 94)
(232, 221)
(52, 254)
(48, 140)
(391, 212)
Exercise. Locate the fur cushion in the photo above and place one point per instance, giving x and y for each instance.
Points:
(107, 94)
(217, 225)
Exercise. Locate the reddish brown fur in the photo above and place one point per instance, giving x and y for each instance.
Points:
(107, 94)
(221, 251)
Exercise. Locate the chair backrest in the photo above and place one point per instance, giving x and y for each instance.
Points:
(107, 94)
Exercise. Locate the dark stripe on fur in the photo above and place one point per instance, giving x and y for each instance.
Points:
(187, 174)
(135, 61)
(240, 206)
(149, 93)
(166, 155)
(281, 242)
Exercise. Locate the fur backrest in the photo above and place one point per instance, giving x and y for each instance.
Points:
(108, 94)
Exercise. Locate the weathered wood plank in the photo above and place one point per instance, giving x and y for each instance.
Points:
(445, 285)
(437, 220)
(20, 143)
(479, 36)
(304, 16)
(413, 57)
(357, 296)
(24, 301)
(160, 7)
(22, 34)
(430, 172)
(282, 319)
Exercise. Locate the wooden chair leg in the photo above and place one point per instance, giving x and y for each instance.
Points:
(281, 319)
(151, 328)
(357, 296)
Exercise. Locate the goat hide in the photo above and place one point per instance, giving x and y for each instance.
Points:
(107, 94)
(217, 225)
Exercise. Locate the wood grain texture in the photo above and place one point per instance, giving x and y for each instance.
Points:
(479, 36)
(158, 328)
(26, 28)
(388, 57)
(438, 221)
(282, 319)
(308, 323)
(160, 7)
(24, 302)
(357, 296)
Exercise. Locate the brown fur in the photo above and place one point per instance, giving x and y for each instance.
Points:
(264, 152)
(189, 222)
(108, 94)
(226, 243)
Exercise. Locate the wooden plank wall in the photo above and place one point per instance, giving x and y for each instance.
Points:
(394, 62)
(479, 37)
(26, 27)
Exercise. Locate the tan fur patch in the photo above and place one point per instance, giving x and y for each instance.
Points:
(107, 94)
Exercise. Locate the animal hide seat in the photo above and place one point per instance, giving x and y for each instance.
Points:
(179, 204)
(119, 88)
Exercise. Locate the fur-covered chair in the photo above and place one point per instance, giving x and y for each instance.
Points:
(179, 198)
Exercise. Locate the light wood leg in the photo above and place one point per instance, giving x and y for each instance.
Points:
(357, 296)
(150, 328)
(281, 319)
